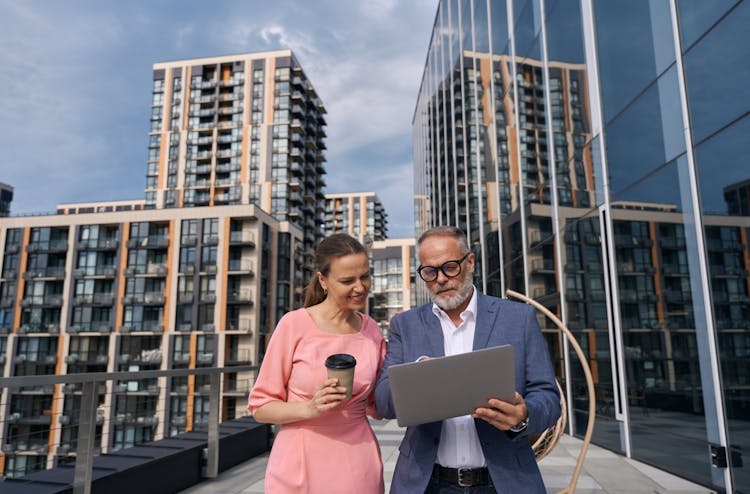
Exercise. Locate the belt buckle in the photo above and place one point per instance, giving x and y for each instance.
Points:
(468, 473)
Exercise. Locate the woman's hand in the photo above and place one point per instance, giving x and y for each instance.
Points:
(328, 396)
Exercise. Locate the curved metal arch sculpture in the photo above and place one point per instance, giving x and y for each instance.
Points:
(546, 442)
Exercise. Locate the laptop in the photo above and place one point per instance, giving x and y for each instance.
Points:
(445, 387)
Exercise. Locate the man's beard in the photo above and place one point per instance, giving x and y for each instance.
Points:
(448, 302)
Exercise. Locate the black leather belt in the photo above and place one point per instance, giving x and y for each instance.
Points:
(464, 477)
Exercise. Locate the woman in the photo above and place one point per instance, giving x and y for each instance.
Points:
(325, 443)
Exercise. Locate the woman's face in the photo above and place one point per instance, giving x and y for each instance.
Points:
(348, 281)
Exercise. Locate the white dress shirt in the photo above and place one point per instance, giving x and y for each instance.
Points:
(459, 441)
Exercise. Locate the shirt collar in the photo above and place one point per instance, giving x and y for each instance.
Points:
(470, 309)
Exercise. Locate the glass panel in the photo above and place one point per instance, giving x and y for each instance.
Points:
(578, 230)
(654, 121)
(635, 44)
(658, 279)
(725, 199)
(481, 35)
(696, 16)
(564, 31)
(527, 28)
(501, 129)
(499, 27)
(718, 81)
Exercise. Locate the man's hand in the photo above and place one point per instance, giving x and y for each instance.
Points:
(502, 414)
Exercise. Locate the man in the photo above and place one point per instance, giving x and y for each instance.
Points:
(488, 451)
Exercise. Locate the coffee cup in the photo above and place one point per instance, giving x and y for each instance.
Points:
(341, 366)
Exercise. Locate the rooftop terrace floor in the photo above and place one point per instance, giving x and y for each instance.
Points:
(603, 470)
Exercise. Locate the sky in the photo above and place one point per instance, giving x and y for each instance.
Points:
(76, 84)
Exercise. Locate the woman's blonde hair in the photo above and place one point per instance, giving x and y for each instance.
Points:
(330, 248)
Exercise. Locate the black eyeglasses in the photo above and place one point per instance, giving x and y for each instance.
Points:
(450, 269)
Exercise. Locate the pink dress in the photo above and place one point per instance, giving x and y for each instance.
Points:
(336, 452)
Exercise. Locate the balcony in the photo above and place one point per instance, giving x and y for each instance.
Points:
(103, 271)
(51, 246)
(103, 299)
(46, 328)
(141, 464)
(543, 266)
(35, 358)
(244, 326)
(87, 358)
(237, 266)
(153, 298)
(151, 242)
(242, 238)
(42, 300)
(90, 327)
(158, 269)
(98, 244)
(48, 272)
(243, 297)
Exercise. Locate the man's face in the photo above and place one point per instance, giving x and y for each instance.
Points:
(447, 293)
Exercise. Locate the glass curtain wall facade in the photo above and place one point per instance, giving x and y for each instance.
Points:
(593, 151)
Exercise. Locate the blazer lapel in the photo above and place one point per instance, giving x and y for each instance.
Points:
(433, 332)
(487, 310)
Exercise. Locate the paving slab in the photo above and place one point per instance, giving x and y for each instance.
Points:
(603, 471)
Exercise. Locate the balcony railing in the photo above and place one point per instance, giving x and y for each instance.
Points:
(89, 414)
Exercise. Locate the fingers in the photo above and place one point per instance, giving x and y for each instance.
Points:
(327, 397)
(501, 414)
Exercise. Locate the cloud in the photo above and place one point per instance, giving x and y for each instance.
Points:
(183, 35)
(77, 86)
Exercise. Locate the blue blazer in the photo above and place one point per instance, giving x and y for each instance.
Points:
(509, 457)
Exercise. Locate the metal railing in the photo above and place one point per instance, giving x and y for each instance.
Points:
(88, 415)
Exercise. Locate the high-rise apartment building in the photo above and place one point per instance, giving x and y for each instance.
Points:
(114, 291)
(394, 269)
(6, 197)
(596, 159)
(238, 129)
(196, 275)
(360, 214)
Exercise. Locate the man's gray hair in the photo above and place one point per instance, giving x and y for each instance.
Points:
(446, 231)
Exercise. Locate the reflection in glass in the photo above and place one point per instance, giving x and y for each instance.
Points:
(724, 182)
(635, 45)
(656, 269)
(696, 16)
(646, 136)
(718, 78)
(494, 134)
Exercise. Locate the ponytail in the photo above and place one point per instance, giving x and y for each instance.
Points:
(314, 293)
